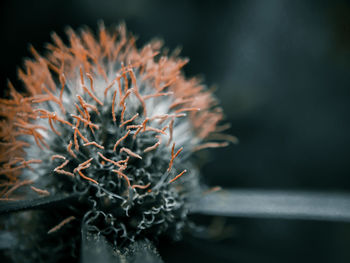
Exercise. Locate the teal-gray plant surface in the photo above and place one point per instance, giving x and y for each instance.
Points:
(98, 150)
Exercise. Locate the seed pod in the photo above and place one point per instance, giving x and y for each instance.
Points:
(115, 125)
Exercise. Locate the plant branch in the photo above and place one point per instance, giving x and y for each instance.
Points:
(276, 204)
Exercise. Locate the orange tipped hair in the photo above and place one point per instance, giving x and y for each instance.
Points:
(84, 65)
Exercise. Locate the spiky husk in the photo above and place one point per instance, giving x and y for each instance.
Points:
(101, 118)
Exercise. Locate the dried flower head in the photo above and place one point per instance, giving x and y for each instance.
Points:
(114, 124)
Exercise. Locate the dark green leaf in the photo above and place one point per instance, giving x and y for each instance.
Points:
(39, 203)
(7, 240)
(142, 252)
(276, 204)
(95, 248)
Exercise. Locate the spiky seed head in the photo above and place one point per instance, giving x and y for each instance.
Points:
(115, 124)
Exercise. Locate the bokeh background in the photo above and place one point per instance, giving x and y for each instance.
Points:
(282, 72)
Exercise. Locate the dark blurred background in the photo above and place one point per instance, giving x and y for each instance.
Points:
(282, 69)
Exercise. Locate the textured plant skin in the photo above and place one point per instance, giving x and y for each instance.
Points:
(115, 125)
